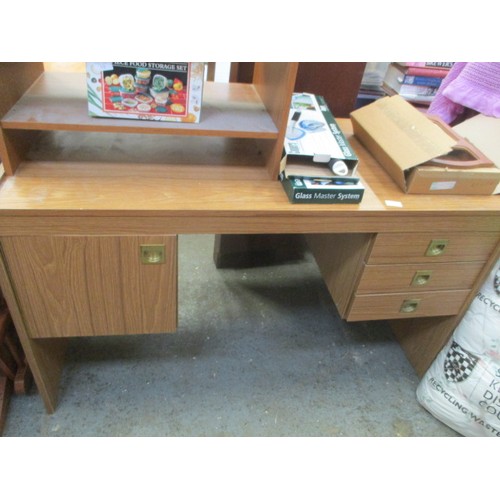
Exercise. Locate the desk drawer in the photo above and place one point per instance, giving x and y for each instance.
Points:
(418, 277)
(405, 305)
(400, 248)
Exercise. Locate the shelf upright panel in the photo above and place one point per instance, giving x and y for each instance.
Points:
(275, 82)
(15, 79)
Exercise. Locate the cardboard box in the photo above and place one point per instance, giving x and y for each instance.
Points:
(422, 156)
(313, 136)
(162, 91)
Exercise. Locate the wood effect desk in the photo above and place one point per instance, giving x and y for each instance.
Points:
(70, 234)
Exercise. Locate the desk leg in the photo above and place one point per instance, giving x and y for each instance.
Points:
(44, 356)
(5, 393)
(423, 338)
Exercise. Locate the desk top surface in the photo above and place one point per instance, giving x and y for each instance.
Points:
(72, 189)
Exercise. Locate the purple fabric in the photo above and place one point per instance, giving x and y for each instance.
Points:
(468, 85)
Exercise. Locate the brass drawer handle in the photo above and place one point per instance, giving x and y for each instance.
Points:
(409, 306)
(421, 278)
(152, 254)
(436, 247)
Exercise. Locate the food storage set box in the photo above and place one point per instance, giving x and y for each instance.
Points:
(162, 91)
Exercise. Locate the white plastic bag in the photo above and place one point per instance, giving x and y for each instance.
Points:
(462, 386)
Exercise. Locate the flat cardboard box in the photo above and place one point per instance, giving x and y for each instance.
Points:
(313, 137)
(161, 91)
(405, 141)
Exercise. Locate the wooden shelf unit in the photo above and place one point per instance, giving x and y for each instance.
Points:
(47, 102)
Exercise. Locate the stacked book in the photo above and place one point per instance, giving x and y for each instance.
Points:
(417, 82)
(370, 88)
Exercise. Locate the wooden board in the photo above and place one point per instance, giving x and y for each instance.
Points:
(58, 101)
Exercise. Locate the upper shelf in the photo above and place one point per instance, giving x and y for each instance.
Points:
(58, 101)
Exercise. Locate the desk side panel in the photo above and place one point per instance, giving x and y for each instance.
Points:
(340, 258)
(45, 357)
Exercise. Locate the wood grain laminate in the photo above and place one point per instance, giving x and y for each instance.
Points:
(133, 189)
(86, 192)
(15, 80)
(400, 278)
(45, 357)
(58, 101)
(86, 286)
(470, 246)
(423, 338)
(275, 83)
(340, 258)
(388, 305)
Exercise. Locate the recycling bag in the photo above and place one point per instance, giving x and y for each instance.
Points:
(462, 386)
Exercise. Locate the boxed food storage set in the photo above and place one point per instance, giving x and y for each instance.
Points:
(162, 91)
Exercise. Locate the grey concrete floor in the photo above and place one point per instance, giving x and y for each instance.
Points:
(259, 352)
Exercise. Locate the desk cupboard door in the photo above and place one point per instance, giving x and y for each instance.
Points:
(84, 286)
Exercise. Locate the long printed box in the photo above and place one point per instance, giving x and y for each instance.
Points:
(313, 136)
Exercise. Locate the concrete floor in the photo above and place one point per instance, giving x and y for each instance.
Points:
(258, 352)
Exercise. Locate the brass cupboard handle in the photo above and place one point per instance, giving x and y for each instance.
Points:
(409, 306)
(421, 278)
(436, 247)
(152, 254)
